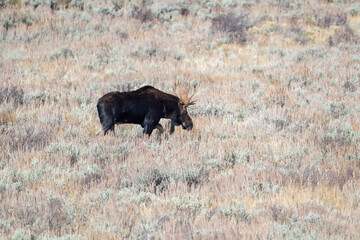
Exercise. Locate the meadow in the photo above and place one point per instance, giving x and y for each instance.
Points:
(275, 148)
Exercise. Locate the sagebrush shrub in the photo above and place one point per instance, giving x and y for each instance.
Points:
(118, 4)
(77, 3)
(234, 26)
(27, 18)
(12, 94)
(142, 14)
(26, 138)
(299, 35)
(63, 52)
(330, 16)
(10, 20)
(344, 35)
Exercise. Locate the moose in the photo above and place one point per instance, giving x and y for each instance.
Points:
(145, 106)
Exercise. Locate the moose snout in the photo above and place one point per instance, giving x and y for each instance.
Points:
(186, 121)
(187, 125)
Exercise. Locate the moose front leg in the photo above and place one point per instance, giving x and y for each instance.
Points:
(172, 127)
(160, 128)
(149, 125)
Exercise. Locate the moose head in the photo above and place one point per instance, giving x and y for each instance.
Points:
(185, 100)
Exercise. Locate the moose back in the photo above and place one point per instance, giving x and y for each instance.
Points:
(145, 106)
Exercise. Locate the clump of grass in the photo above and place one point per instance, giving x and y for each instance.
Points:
(90, 174)
(311, 176)
(58, 214)
(164, 11)
(28, 18)
(236, 211)
(7, 118)
(12, 94)
(10, 20)
(338, 109)
(351, 84)
(339, 179)
(105, 10)
(280, 214)
(36, 97)
(143, 14)
(234, 26)
(336, 137)
(123, 35)
(353, 10)
(57, 4)
(70, 149)
(15, 3)
(345, 34)
(13, 180)
(26, 138)
(194, 177)
(298, 34)
(63, 52)
(33, 3)
(330, 17)
(20, 234)
(78, 3)
(159, 179)
(118, 4)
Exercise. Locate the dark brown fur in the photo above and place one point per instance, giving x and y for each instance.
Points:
(145, 106)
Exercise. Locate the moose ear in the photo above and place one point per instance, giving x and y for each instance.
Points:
(181, 103)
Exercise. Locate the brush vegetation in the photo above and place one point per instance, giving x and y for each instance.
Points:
(274, 152)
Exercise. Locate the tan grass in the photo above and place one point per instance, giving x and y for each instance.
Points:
(273, 152)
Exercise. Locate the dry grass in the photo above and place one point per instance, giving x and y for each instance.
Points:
(274, 152)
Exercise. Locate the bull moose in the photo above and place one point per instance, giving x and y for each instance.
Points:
(145, 106)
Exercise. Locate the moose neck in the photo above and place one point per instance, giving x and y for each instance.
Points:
(170, 108)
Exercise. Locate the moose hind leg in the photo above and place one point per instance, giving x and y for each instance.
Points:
(148, 129)
(110, 127)
(106, 118)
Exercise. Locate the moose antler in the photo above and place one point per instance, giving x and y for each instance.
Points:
(183, 94)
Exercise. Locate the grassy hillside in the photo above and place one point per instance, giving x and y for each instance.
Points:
(275, 149)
